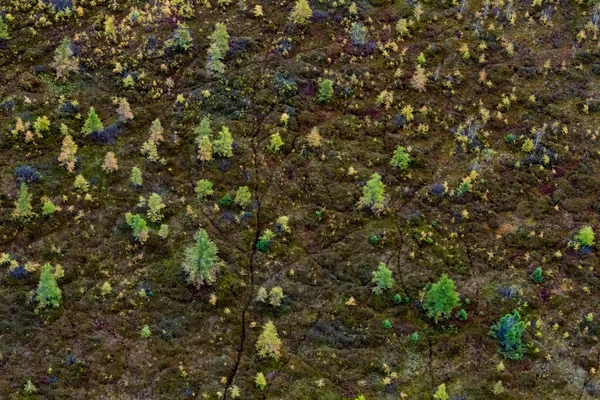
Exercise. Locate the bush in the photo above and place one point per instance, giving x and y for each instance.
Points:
(106, 135)
(48, 293)
(508, 332)
(382, 278)
(26, 174)
(201, 262)
(325, 91)
(462, 315)
(441, 299)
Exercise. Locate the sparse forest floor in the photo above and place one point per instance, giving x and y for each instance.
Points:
(315, 199)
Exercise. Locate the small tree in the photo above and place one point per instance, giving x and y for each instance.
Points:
(358, 33)
(220, 37)
(419, 79)
(498, 389)
(163, 231)
(537, 275)
(585, 237)
(3, 29)
(508, 332)
(400, 159)
(109, 28)
(214, 62)
(81, 185)
(268, 344)
(41, 125)
(441, 299)
(262, 295)
(136, 177)
(201, 262)
(441, 393)
(260, 381)
(128, 81)
(205, 148)
(138, 225)
(223, 146)
(325, 91)
(48, 207)
(203, 132)
(23, 209)
(314, 138)
(124, 110)
(243, 197)
(276, 142)
(67, 153)
(182, 39)
(64, 60)
(203, 128)
(48, 293)
(373, 194)
(156, 131)
(150, 151)
(145, 333)
(275, 296)
(110, 162)
(204, 188)
(93, 123)
(155, 205)
(29, 387)
(382, 278)
(301, 12)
